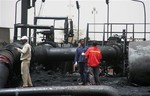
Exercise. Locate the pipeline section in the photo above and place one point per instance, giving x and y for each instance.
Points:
(10, 57)
(139, 62)
(61, 90)
(4, 73)
(47, 54)
(138, 58)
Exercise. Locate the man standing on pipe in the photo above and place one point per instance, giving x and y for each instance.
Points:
(94, 57)
(25, 64)
(81, 62)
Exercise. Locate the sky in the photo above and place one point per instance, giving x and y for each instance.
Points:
(120, 11)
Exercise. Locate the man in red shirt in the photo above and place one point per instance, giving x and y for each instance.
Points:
(94, 57)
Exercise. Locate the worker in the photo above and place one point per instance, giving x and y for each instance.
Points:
(25, 62)
(81, 62)
(94, 56)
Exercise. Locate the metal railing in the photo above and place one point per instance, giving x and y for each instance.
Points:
(134, 31)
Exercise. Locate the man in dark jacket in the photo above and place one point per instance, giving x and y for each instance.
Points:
(81, 62)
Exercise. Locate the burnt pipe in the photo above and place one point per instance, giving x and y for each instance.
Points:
(4, 73)
(62, 90)
(111, 52)
(48, 54)
(9, 58)
(139, 63)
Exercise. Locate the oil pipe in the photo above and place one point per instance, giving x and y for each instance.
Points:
(47, 54)
(61, 90)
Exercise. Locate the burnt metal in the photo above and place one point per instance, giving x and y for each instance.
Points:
(44, 53)
(48, 54)
(111, 52)
(139, 62)
(4, 74)
(61, 90)
(9, 58)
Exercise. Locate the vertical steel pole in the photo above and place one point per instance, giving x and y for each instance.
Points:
(77, 5)
(144, 9)
(24, 15)
(15, 31)
(107, 2)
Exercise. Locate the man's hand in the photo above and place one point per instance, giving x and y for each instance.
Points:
(18, 49)
(75, 65)
(83, 54)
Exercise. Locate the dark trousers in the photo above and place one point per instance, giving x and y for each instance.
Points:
(82, 67)
(94, 75)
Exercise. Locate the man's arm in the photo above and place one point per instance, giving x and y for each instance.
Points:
(23, 50)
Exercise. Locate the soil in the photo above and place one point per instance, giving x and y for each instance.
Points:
(51, 78)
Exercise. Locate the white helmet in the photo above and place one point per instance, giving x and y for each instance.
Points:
(24, 38)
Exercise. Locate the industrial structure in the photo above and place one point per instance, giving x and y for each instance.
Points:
(122, 50)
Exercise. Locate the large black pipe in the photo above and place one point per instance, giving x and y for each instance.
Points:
(4, 73)
(139, 62)
(5, 67)
(110, 53)
(61, 90)
(48, 54)
(8, 60)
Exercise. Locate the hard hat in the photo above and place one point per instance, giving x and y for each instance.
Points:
(24, 38)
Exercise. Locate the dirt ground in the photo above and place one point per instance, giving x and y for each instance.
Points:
(51, 78)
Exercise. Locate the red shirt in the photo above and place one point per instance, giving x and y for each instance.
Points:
(94, 56)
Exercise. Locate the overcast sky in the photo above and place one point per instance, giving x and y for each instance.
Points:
(121, 11)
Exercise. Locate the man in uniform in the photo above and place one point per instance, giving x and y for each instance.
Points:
(25, 62)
